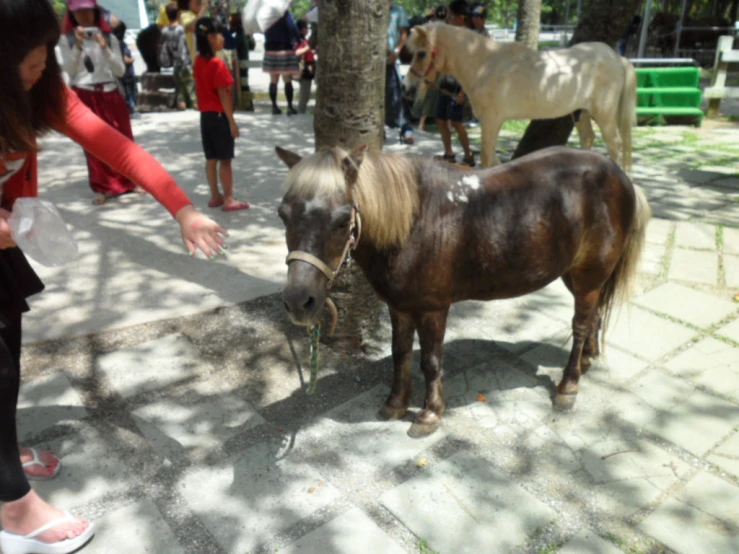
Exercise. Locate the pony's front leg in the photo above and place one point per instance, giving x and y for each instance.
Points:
(431, 329)
(404, 328)
(490, 132)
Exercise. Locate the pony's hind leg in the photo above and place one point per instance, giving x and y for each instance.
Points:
(591, 349)
(431, 329)
(585, 130)
(404, 329)
(586, 305)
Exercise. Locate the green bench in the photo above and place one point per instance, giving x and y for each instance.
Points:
(667, 94)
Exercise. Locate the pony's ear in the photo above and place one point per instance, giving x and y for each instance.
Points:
(291, 159)
(419, 37)
(352, 162)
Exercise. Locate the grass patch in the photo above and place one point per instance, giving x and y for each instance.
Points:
(516, 125)
(423, 548)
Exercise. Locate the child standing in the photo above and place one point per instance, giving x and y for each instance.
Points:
(218, 127)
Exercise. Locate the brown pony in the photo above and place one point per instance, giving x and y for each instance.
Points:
(433, 234)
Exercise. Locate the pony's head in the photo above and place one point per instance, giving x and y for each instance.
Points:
(319, 211)
(426, 61)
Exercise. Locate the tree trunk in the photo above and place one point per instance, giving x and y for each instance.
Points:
(527, 31)
(351, 73)
(350, 110)
(605, 21)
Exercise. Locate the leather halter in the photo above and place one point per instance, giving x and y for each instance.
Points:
(428, 69)
(355, 232)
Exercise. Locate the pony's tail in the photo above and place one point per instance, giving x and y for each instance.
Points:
(619, 285)
(627, 112)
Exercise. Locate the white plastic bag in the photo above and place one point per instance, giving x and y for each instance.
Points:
(260, 15)
(39, 230)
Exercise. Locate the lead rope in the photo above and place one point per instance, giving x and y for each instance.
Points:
(314, 331)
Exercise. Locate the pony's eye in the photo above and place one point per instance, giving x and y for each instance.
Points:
(282, 211)
(420, 55)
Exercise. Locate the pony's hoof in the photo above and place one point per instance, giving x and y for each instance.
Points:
(421, 430)
(564, 402)
(388, 413)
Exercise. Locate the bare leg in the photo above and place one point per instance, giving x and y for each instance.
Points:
(446, 136)
(463, 138)
(431, 329)
(404, 329)
(211, 173)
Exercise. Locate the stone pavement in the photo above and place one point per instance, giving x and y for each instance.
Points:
(184, 426)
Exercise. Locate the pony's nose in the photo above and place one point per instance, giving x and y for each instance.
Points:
(300, 304)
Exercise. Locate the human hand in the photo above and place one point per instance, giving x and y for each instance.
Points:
(79, 34)
(234, 130)
(101, 40)
(460, 98)
(6, 241)
(199, 231)
(392, 56)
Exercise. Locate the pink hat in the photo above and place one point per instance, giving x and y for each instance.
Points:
(75, 5)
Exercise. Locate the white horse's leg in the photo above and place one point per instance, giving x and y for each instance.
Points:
(490, 132)
(612, 136)
(585, 130)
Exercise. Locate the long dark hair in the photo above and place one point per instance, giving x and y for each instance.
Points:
(25, 25)
(205, 26)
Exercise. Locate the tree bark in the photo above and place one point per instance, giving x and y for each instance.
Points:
(350, 110)
(527, 31)
(605, 21)
(350, 103)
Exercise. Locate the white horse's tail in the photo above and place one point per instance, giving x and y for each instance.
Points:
(627, 112)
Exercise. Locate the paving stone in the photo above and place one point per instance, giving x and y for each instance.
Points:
(150, 366)
(90, 469)
(464, 505)
(687, 530)
(45, 402)
(728, 215)
(173, 428)
(651, 258)
(731, 270)
(370, 448)
(695, 235)
(253, 495)
(649, 336)
(686, 304)
(511, 397)
(351, 532)
(730, 330)
(631, 471)
(674, 410)
(711, 363)
(588, 542)
(726, 455)
(713, 496)
(731, 240)
(727, 182)
(135, 529)
(698, 176)
(613, 365)
(697, 267)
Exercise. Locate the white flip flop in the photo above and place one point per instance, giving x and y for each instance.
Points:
(12, 543)
(37, 461)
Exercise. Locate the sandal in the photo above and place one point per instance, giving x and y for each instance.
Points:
(13, 543)
(215, 203)
(236, 207)
(407, 138)
(37, 462)
(451, 158)
(469, 161)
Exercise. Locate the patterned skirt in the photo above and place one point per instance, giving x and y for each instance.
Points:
(281, 62)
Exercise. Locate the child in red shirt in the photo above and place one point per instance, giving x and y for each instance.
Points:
(218, 127)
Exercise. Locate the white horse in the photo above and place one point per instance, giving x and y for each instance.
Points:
(511, 81)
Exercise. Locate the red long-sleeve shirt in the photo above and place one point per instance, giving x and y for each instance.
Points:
(105, 143)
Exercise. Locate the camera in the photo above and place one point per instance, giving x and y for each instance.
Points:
(91, 32)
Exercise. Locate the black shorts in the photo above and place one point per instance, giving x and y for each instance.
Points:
(215, 131)
(447, 108)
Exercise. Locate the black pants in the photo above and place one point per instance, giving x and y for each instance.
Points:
(13, 482)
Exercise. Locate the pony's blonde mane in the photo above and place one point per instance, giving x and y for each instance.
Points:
(386, 190)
